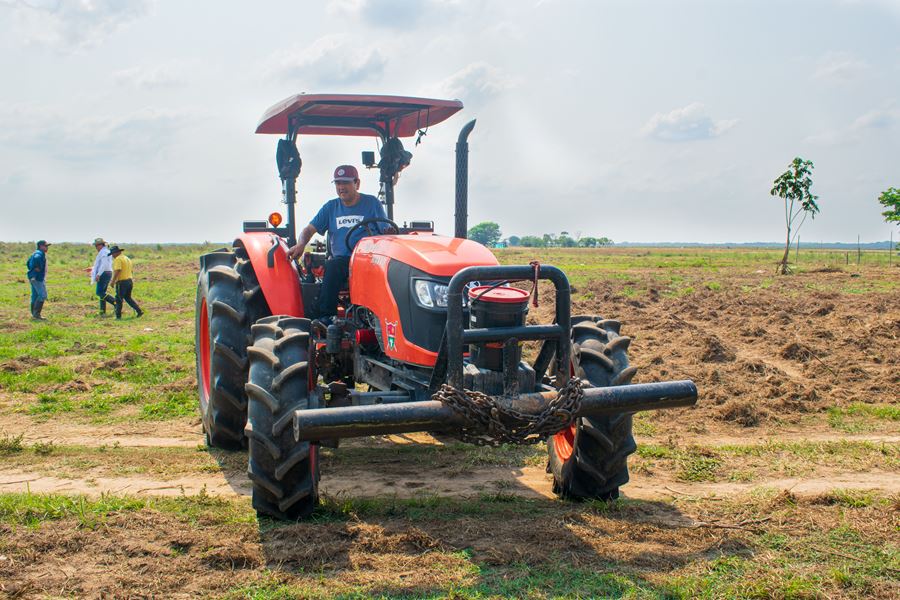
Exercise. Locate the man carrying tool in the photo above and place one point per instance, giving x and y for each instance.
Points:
(337, 217)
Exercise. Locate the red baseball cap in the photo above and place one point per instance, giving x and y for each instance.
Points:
(345, 173)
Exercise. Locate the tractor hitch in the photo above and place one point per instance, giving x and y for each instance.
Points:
(431, 415)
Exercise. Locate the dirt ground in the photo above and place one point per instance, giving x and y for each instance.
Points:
(772, 363)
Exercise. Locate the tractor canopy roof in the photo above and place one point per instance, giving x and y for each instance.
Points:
(355, 115)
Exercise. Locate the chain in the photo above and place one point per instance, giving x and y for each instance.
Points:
(489, 424)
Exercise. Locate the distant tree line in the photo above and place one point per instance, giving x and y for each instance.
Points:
(489, 234)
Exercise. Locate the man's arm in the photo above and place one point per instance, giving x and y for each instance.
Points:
(116, 272)
(305, 235)
(95, 270)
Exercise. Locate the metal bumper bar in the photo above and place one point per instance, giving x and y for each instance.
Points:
(358, 421)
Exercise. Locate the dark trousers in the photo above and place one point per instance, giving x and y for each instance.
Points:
(337, 271)
(123, 293)
(101, 291)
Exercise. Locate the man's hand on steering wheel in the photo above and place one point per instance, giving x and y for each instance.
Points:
(368, 224)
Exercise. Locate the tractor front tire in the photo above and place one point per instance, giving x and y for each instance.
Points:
(589, 459)
(284, 473)
(229, 300)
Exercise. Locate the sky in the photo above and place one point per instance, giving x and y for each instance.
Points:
(637, 120)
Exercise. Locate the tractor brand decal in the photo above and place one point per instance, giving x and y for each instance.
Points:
(379, 261)
(391, 330)
(347, 221)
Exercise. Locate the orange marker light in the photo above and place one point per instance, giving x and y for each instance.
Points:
(275, 219)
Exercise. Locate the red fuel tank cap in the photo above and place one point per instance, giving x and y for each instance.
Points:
(502, 295)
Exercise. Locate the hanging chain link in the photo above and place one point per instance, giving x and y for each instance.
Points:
(490, 424)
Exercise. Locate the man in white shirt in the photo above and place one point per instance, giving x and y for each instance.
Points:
(101, 274)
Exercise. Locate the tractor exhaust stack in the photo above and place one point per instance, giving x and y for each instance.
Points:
(431, 415)
(462, 181)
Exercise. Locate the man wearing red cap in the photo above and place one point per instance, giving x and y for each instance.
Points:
(337, 217)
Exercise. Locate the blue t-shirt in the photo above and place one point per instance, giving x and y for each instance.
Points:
(337, 219)
(37, 265)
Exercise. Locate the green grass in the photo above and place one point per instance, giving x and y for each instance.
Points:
(61, 460)
(747, 462)
(33, 509)
(11, 444)
(858, 416)
(82, 365)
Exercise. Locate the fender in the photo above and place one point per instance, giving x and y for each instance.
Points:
(277, 274)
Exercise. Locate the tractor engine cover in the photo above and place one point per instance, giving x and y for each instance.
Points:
(384, 271)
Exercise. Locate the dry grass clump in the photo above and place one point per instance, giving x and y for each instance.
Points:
(742, 412)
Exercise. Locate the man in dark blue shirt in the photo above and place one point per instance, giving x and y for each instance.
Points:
(37, 273)
(337, 217)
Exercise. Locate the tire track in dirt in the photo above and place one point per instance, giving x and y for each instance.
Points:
(525, 482)
(170, 434)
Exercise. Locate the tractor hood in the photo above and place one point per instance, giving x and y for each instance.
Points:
(434, 254)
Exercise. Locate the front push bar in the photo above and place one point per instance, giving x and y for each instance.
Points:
(431, 415)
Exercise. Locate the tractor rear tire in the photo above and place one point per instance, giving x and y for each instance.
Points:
(284, 473)
(589, 459)
(229, 301)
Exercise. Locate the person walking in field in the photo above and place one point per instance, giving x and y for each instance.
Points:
(122, 278)
(101, 274)
(37, 274)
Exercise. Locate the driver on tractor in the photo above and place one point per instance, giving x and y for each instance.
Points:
(337, 217)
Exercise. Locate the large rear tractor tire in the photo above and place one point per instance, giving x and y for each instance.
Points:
(589, 459)
(229, 301)
(284, 473)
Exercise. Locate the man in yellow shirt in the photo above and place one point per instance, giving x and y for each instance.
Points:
(123, 280)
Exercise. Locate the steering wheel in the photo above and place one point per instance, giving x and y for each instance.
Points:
(367, 223)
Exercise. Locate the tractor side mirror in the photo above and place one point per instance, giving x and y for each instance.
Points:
(368, 159)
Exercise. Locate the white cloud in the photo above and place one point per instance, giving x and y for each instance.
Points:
(75, 24)
(332, 59)
(394, 14)
(840, 67)
(504, 30)
(686, 124)
(476, 83)
(129, 137)
(170, 75)
(873, 120)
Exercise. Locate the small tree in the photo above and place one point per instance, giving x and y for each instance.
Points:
(514, 240)
(792, 186)
(890, 199)
(487, 233)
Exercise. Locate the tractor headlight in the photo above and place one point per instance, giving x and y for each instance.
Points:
(431, 294)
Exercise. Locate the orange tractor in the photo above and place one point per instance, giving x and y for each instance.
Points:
(428, 335)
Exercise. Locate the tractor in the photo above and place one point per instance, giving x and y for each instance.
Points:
(428, 337)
